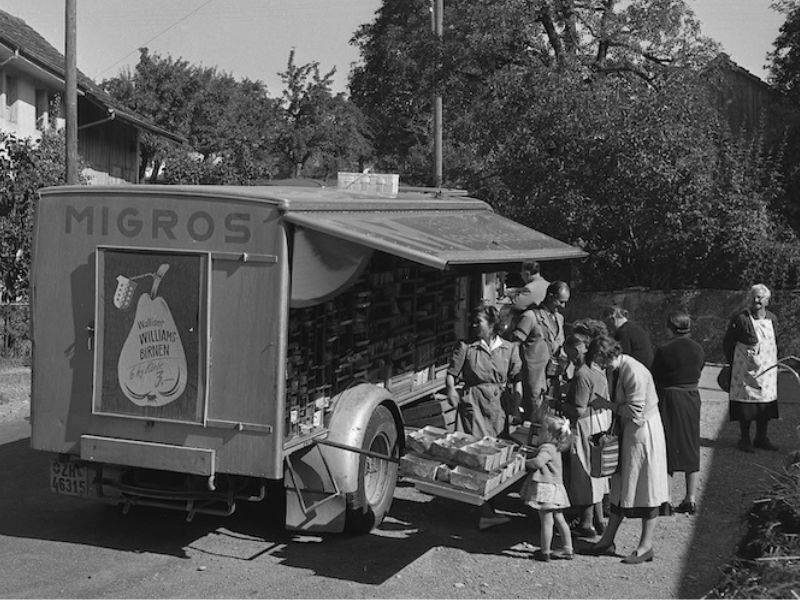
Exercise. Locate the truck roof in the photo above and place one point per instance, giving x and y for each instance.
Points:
(290, 198)
(437, 230)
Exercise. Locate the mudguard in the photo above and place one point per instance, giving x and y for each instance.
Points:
(352, 410)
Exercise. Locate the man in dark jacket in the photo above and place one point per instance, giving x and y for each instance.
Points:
(634, 340)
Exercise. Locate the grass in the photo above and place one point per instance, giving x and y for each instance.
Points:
(15, 381)
(767, 561)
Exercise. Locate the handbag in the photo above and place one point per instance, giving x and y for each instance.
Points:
(604, 452)
(724, 378)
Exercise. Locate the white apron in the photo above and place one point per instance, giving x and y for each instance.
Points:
(750, 361)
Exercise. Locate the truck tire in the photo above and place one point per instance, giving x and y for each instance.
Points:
(367, 506)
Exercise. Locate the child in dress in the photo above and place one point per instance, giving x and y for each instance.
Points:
(544, 488)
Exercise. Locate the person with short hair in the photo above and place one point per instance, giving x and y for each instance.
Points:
(750, 347)
(633, 339)
(533, 290)
(540, 334)
(641, 485)
(487, 366)
(677, 366)
(589, 380)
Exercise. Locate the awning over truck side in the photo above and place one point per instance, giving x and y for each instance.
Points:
(439, 238)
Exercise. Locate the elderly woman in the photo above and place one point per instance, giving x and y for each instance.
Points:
(486, 366)
(750, 348)
(676, 371)
(641, 485)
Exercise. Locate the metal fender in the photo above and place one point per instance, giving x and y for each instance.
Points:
(351, 413)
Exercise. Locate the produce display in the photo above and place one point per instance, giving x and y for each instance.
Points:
(460, 460)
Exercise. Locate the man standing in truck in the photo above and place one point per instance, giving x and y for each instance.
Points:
(534, 290)
(540, 333)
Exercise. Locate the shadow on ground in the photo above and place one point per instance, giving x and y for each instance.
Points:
(734, 480)
(416, 525)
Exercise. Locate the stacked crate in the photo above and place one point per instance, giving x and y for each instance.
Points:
(395, 327)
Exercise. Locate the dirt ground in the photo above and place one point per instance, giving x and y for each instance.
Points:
(430, 548)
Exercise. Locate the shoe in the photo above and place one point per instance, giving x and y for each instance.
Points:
(635, 559)
(564, 554)
(745, 446)
(689, 508)
(485, 523)
(605, 550)
(541, 556)
(765, 444)
(666, 510)
(585, 531)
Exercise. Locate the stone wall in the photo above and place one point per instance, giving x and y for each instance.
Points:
(710, 311)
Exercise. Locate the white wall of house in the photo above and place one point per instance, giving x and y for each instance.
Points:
(24, 105)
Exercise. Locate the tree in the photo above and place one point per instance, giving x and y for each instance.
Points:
(592, 124)
(395, 83)
(25, 167)
(224, 120)
(318, 129)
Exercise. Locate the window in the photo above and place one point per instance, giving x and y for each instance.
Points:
(42, 110)
(11, 98)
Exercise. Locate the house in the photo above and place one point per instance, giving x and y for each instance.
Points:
(749, 103)
(32, 81)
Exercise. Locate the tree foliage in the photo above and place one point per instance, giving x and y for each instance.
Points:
(592, 123)
(318, 130)
(236, 133)
(25, 167)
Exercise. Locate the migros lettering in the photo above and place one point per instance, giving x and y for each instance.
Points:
(158, 224)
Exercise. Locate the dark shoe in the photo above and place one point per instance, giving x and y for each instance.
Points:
(604, 550)
(485, 523)
(635, 559)
(765, 444)
(541, 556)
(665, 510)
(689, 508)
(745, 446)
(586, 531)
(563, 554)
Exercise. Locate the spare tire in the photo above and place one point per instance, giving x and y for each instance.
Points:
(367, 506)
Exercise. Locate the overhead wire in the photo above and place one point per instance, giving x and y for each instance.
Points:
(143, 44)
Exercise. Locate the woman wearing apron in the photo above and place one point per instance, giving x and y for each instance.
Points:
(750, 348)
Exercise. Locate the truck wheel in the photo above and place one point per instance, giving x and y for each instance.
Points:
(367, 506)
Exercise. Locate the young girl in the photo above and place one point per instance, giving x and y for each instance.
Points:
(544, 488)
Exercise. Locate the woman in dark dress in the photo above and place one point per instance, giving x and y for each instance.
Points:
(676, 371)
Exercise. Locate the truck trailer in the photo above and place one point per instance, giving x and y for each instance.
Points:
(199, 346)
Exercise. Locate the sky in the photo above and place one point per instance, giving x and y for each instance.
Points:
(253, 38)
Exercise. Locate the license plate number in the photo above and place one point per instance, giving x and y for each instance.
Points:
(69, 478)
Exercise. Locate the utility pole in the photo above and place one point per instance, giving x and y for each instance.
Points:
(71, 91)
(437, 22)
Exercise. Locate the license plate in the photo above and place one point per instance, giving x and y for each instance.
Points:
(69, 478)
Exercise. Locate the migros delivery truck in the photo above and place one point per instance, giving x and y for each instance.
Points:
(195, 347)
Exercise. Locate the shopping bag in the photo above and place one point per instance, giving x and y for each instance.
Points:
(603, 454)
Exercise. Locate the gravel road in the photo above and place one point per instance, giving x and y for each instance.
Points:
(427, 548)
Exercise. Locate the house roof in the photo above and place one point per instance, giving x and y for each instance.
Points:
(28, 45)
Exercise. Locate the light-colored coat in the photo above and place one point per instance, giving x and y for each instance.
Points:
(642, 479)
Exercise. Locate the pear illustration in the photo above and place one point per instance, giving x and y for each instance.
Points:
(152, 363)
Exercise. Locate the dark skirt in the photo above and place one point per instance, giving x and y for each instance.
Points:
(680, 413)
(753, 411)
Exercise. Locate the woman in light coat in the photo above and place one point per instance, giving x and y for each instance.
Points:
(641, 484)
